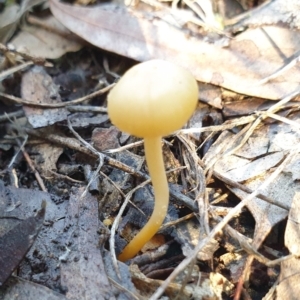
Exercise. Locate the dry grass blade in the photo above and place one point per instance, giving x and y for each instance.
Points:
(199, 185)
(280, 118)
(226, 126)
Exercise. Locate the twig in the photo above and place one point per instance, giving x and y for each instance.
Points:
(57, 105)
(126, 147)
(272, 109)
(278, 261)
(14, 69)
(27, 158)
(65, 177)
(250, 129)
(200, 183)
(32, 167)
(87, 108)
(246, 14)
(279, 118)
(21, 146)
(177, 221)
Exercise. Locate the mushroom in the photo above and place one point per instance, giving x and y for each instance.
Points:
(152, 100)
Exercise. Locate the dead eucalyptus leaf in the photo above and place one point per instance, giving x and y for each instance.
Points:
(141, 35)
(40, 41)
(83, 271)
(275, 12)
(10, 17)
(254, 168)
(38, 87)
(16, 287)
(8, 22)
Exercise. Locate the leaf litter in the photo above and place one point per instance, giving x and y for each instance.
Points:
(221, 158)
(247, 59)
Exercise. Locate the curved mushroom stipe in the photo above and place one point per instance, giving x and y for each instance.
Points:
(151, 100)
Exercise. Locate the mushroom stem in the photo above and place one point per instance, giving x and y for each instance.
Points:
(156, 168)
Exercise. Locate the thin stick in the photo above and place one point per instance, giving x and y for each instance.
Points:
(155, 165)
(57, 105)
(14, 69)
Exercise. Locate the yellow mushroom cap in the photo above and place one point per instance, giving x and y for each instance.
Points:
(153, 98)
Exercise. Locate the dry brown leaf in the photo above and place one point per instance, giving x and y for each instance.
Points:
(275, 12)
(105, 138)
(18, 286)
(38, 41)
(249, 58)
(211, 94)
(11, 16)
(8, 21)
(254, 168)
(83, 271)
(47, 158)
(38, 87)
(19, 203)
